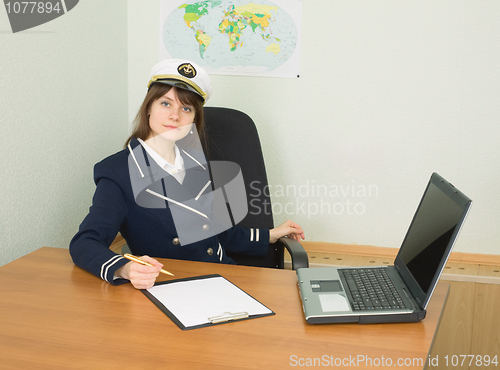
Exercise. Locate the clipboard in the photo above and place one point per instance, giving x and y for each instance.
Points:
(204, 301)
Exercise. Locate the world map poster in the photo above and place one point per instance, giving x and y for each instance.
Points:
(234, 37)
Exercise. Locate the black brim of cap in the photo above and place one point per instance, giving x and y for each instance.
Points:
(178, 84)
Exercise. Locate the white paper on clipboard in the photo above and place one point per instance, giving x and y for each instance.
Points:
(194, 302)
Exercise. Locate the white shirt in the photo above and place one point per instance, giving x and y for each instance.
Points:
(177, 170)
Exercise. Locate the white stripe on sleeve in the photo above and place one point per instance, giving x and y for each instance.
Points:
(106, 265)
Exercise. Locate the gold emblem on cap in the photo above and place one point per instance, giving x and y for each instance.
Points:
(187, 70)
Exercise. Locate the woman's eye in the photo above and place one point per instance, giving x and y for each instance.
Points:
(165, 104)
(187, 109)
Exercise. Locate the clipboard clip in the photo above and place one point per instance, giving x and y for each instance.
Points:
(227, 316)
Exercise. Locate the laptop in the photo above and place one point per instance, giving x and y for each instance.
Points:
(397, 293)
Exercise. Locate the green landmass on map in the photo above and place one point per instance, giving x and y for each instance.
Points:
(193, 12)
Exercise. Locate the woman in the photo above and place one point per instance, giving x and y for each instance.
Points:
(159, 194)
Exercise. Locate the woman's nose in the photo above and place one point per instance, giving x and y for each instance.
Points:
(174, 114)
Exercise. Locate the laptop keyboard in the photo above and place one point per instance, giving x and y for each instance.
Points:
(372, 289)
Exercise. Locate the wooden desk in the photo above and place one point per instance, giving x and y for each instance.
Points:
(53, 315)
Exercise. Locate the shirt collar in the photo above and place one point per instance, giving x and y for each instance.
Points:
(160, 161)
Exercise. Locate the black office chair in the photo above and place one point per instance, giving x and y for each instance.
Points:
(232, 136)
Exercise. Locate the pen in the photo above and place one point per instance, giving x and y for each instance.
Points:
(138, 260)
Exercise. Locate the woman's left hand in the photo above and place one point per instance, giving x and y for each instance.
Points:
(287, 228)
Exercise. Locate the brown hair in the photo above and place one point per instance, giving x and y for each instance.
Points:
(142, 130)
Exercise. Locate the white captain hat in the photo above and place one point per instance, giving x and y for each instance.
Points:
(182, 74)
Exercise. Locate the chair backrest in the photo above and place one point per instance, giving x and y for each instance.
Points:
(232, 136)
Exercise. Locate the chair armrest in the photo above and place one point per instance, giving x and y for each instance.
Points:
(297, 252)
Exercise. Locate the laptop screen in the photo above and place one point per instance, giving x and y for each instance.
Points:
(432, 232)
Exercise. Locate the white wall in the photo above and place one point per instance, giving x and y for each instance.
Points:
(389, 92)
(63, 107)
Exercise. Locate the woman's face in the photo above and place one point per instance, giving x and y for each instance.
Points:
(169, 118)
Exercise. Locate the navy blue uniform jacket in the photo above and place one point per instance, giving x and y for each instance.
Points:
(149, 231)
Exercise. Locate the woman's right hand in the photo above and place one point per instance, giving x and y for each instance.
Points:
(141, 276)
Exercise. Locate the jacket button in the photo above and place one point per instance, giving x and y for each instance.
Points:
(210, 251)
(176, 241)
(205, 227)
